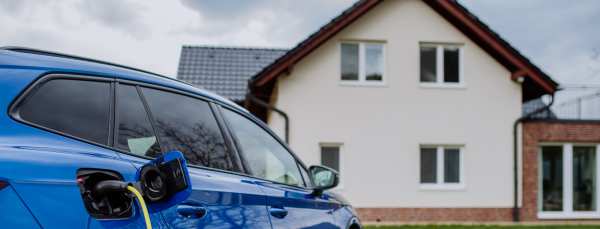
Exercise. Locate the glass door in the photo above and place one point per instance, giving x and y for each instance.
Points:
(568, 178)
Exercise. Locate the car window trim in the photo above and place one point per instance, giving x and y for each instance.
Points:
(168, 89)
(165, 88)
(116, 116)
(260, 124)
(111, 116)
(188, 165)
(25, 95)
(231, 151)
(152, 121)
(235, 160)
(236, 143)
(22, 98)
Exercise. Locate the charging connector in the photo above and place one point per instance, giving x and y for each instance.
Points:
(143, 204)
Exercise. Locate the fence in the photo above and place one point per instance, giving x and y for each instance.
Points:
(570, 103)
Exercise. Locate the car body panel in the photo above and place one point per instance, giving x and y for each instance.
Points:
(231, 200)
(13, 213)
(304, 209)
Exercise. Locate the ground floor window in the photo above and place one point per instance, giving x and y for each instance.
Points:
(331, 156)
(568, 179)
(442, 167)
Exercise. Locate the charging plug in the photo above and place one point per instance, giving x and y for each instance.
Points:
(107, 187)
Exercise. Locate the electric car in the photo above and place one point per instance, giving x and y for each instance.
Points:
(71, 120)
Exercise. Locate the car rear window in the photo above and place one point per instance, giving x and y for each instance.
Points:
(135, 133)
(188, 125)
(74, 107)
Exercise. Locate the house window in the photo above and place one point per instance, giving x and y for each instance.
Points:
(362, 63)
(442, 168)
(331, 156)
(441, 66)
(568, 181)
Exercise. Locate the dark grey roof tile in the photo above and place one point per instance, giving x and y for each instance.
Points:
(224, 70)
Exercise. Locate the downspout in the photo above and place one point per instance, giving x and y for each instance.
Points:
(516, 148)
(268, 106)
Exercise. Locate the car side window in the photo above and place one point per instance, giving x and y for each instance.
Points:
(135, 133)
(268, 159)
(74, 107)
(305, 175)
(188, 125)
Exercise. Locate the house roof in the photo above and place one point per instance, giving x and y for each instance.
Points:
(223, 70)
(536, 82)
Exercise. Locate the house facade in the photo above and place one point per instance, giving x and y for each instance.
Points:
(415, 104)
(413, 109)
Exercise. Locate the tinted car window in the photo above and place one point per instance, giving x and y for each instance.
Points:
(305, 175)
(135, 133)
(268, 159)
(188, 125)
(75, 107)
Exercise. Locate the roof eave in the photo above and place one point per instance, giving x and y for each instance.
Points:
(450, 10)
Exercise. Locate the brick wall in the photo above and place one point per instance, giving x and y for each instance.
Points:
(435, 214)
(533, 133)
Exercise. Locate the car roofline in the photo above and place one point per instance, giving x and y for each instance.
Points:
(74, 57)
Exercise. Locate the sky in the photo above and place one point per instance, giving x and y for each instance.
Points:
(562, 37)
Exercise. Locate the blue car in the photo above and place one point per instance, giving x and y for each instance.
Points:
(71, 122)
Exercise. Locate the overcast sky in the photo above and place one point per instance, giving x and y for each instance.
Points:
(562, 37)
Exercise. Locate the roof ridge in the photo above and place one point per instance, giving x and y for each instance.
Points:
(234, 48)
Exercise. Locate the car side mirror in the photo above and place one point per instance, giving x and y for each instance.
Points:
(324, 178)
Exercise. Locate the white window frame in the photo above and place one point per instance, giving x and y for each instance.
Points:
(340, 185)
(567, 212)
(439, 67)
(362, 65)
(440, 185)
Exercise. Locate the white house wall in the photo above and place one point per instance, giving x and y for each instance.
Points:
(382, 128)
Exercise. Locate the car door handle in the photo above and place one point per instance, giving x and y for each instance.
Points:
(191, 211)
(278, 212)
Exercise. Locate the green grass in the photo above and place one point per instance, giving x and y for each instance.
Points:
(483, 227)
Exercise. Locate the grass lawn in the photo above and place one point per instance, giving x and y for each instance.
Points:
(483, 227)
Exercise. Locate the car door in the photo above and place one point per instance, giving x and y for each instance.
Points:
(222, 196)
(67, 129)
(291, 201)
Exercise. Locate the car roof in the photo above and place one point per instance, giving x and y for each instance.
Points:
(27, 58)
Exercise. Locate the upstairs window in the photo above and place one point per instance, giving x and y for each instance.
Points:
(441, 65)
(362, 63)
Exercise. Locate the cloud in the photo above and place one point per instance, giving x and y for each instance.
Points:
(282, 23)
(122, 15)
(222, 7)
(558, 36)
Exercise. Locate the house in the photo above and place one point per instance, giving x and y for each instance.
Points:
(418, 104)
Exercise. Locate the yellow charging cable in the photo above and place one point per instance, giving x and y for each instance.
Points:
(141, 199)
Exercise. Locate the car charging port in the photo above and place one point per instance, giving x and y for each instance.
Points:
(104, 194)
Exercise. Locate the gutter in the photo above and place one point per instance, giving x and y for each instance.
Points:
(268, 106)
(516, 148)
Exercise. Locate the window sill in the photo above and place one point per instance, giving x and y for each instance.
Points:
(363, 84)
(442, 86)
(442, 187)
(569, 215)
